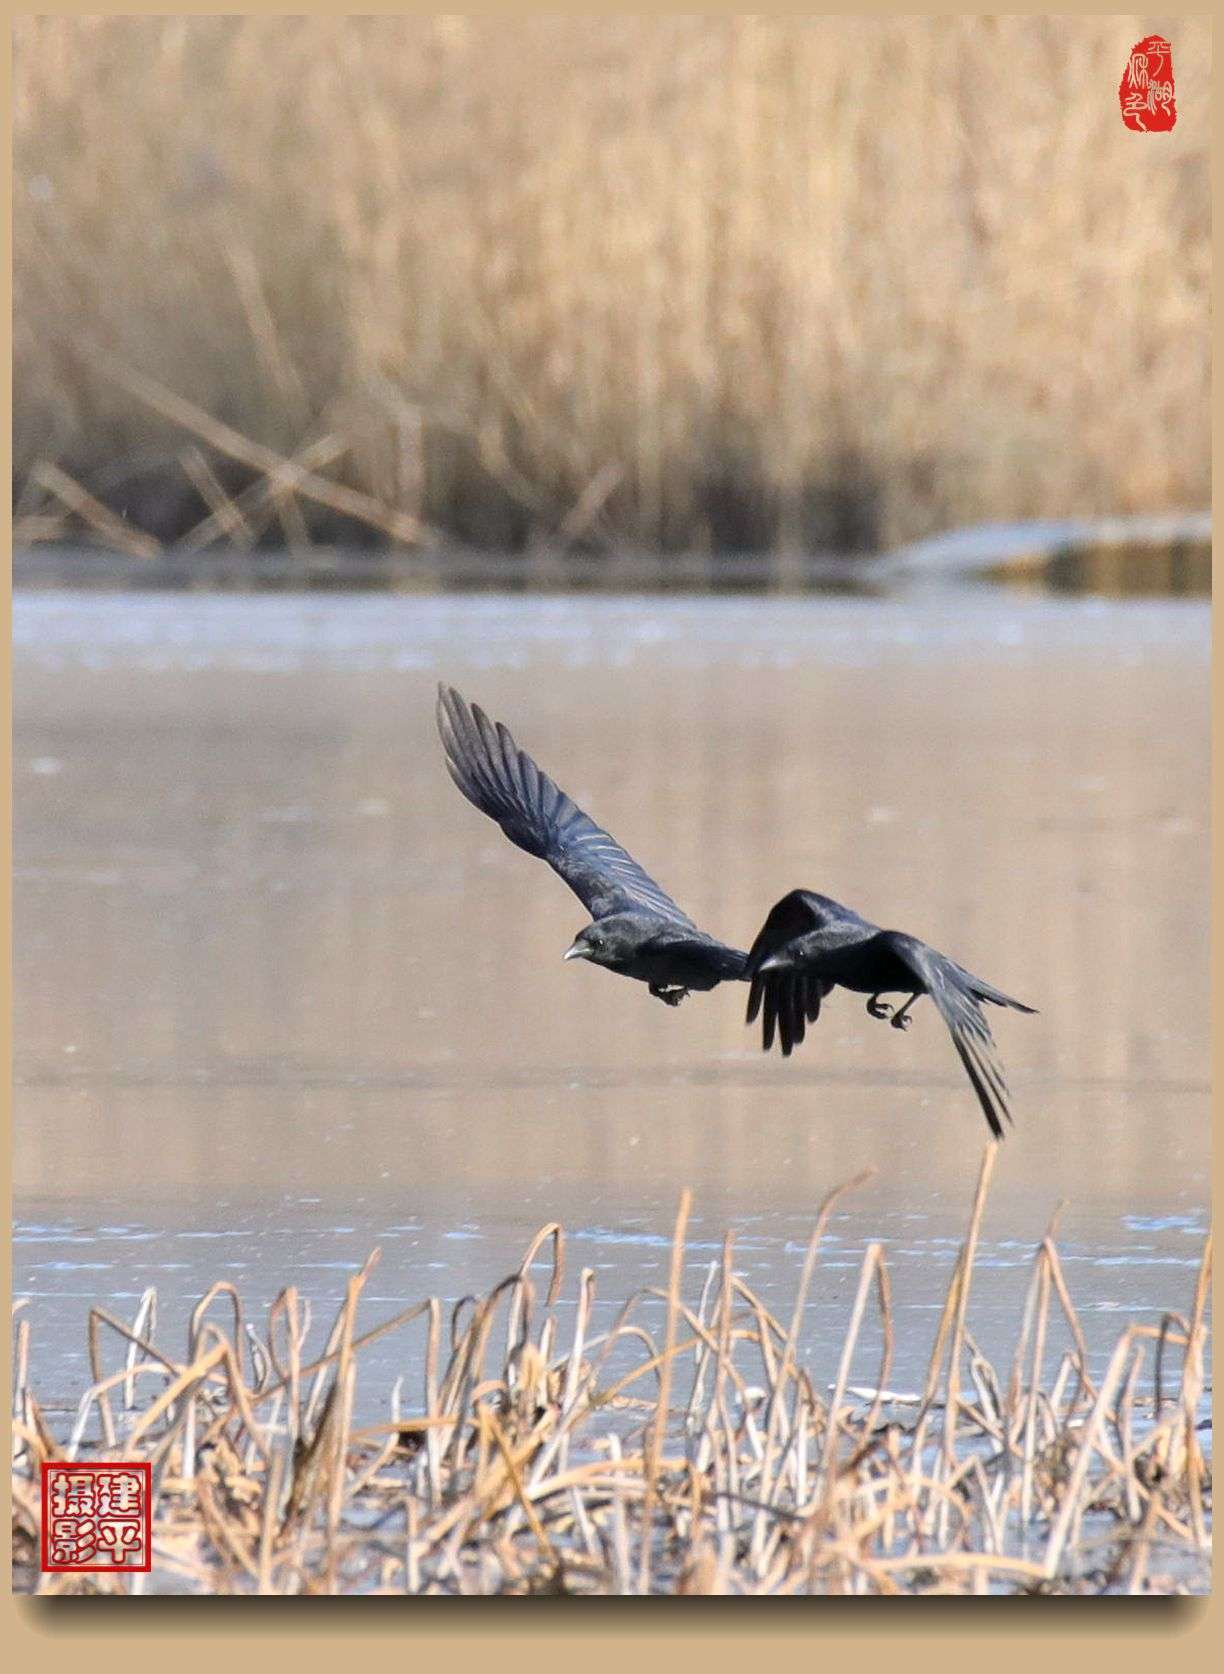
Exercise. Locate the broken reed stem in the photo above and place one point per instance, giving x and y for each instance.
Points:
(112, 530)
(284, 475)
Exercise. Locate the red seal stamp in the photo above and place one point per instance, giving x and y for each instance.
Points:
(97, 1517)
(1146, 89)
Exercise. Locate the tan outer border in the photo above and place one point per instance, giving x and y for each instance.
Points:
(93, 1637)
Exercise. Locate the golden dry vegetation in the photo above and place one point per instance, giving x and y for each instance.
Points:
(679, 282)
(713, 1461)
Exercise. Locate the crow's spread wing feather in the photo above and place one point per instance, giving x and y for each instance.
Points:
(987, 991)
(799, 914)
(956, 995)
(788, 1000)
(787, 1004)
(504, 783)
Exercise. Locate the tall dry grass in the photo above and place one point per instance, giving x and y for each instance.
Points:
(672, 282)
(711, 1461)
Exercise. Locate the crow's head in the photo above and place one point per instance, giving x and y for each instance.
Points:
(609, 941)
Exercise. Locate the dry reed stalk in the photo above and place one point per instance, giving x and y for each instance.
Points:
(1193, 1379)
(969, 1250)
(227, 515)
(284, 477)
(773, 1421)
(829, 1463)
(256, 503)
(100, 519)
(659, 1429)
(1084, 1386)
(38, 527)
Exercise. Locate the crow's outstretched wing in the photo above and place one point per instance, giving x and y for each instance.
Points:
(788, 1001)
(956, 994)
(504, 783)
(799, 914)
(788, 1004)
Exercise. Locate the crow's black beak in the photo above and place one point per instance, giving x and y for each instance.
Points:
(578, 951)
(775, 962)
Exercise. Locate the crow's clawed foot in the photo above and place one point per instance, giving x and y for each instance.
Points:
(879, 1008)
(669, 996)
(901, 1018)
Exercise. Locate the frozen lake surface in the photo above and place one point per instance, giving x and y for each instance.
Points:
(282, 995)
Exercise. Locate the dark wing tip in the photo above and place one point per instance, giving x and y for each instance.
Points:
(997, 997)
(484, 770)
(780, 1002)
(451, 712)
(770, 1018)
(984, 1071)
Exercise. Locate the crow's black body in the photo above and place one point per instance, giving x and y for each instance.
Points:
(821, 945)
(636, 930)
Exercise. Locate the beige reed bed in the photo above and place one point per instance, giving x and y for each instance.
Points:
(712, 1464)
(678, 283)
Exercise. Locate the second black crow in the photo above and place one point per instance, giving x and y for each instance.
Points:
(819, 945)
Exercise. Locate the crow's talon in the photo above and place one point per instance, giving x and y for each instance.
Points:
(902, 1020)
(878, 1007)
(671, 996)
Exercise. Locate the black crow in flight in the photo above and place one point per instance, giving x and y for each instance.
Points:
(821, 945)
(637, 930)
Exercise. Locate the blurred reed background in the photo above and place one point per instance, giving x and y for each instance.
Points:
(669, 283)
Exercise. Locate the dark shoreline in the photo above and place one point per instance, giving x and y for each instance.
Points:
(1120, 558)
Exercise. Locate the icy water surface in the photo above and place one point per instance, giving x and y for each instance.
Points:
(283, 996)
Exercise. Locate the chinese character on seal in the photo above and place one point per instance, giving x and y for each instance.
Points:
(1146, 89)
(96, 1516)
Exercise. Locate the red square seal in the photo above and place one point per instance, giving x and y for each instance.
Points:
(97, 1517)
